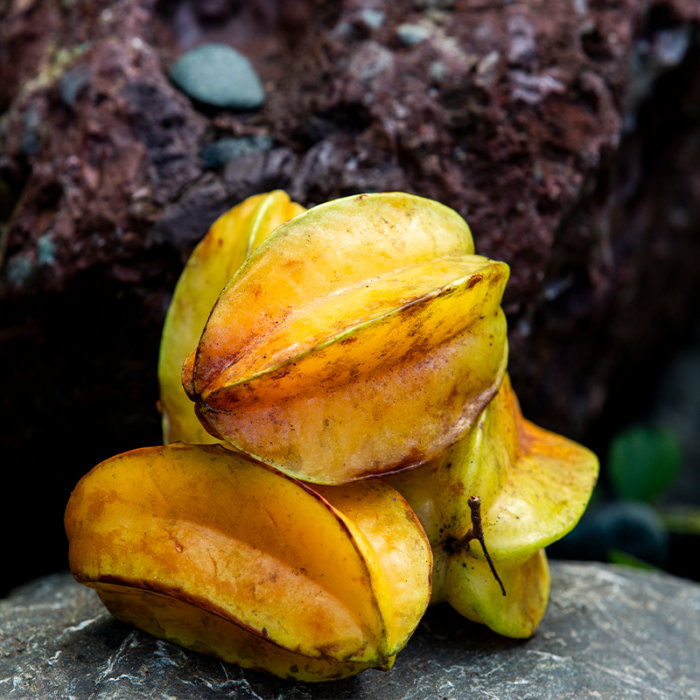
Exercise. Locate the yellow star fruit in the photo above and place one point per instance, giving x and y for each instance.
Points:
(362, 337)
(357, 339)
(230, 240)
(533, 485)
(222, 554)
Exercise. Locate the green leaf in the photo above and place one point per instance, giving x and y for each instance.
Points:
(683, 520)
(644, 462)
(617, 556)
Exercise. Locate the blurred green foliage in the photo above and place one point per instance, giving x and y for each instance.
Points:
(617, 556)
(682, 519)
(643, 462)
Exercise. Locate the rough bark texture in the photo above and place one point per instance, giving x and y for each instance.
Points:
(535, 120)
(608, 633)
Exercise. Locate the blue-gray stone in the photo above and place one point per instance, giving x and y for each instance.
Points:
(73, 82)
(220, 152)
(437, 70)
(31, 141)
(218, 76)
(411, 34)
(18, 270)
(374, 19)
(608, 632)
(632, 528)
(45, 250)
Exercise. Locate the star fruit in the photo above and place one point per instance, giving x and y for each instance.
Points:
(533, 485)
(361, 338)
(227, 556)
(230, 240)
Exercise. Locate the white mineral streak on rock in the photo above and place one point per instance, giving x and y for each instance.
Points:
(533, 89)
(523, 48)
(78, 627)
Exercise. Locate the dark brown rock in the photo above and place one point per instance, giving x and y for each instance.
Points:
(581, 174)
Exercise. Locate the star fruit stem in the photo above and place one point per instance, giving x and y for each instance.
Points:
(476, 532)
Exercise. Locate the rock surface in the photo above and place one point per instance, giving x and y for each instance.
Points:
(608, 633)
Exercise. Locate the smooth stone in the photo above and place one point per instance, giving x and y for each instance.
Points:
(632, 528)
(372, 19)
(220, 152)
(218, 76)
(437, 70)
(411, 34)
(30, 143)
(609, 632)
(74, 82)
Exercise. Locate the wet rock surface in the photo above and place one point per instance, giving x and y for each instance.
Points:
(608, 632)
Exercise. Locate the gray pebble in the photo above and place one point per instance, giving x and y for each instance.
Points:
(45, 250)
(73, 82)
(373, 19)
(219, 76)
(18, 270)
(411, 34)
(629, 527)
(220, 152)
(31, 140)
(437, 70)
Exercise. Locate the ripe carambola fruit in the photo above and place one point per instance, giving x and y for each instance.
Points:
(362, 337)
(219, 553)
(534, 486)
(230, 240)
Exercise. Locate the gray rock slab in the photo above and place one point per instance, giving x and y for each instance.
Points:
(608, 633)
(219, 76)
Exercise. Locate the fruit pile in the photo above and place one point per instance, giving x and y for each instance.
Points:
(372, 456)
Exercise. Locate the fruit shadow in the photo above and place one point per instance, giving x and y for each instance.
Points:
(442, 640)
